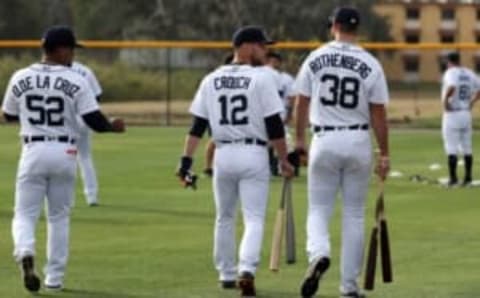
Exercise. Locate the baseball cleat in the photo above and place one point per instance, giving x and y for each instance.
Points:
(246, 283)
(208, 172)
(30, 278)
(228, 284)
(54, 288)
(312, 278)
(93, 204)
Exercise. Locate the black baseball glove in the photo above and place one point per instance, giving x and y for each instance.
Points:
(187, 177)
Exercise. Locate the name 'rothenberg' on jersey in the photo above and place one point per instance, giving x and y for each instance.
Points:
(231, 82)
(44, 82)
(342, 61)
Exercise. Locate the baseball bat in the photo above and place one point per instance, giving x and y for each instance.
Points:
(278, 231)
(371, 260)
(385, 252)
(290, 227)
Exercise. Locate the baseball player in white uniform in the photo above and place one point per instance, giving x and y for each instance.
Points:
(241, 105)
(46, 98)
(343, 90)
(85, 159)
(460, 89)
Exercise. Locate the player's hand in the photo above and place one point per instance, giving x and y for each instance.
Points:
(383, 167)
(118, 125)
(286, 169)
(184, 173)
(302, 155)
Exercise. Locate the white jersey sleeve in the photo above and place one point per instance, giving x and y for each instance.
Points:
(85, 101)
(378, 93)
(270, 100)
(10, 104)
(303, 83)
(199, 106)
(89, 75)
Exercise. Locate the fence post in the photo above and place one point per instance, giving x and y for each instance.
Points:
(169, 94)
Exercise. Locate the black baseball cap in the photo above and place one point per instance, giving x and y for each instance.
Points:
(346, 16)
(251, 34)
(59, 36)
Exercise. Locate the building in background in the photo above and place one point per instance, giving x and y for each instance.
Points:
(429, 21)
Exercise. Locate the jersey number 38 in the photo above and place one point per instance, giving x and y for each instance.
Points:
(341, 91)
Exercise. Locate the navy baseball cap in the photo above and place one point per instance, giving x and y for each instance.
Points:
(346, 16)
(59, 36)
(251, 34)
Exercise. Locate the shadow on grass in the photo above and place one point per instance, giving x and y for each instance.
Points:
(148, 210)
(90, 294)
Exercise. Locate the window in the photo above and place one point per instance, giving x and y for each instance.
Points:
(477, 38)
(413, 13)
(448, 14)
(447, 38)
(478, 15)
(412, 38)
(477, 66)
(411, 64)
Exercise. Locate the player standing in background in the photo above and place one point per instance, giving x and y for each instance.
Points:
(241, 105)
(342, 89)
(46, 98)
(287, 94)
(210, 147)
(85, 159)
(460, 90)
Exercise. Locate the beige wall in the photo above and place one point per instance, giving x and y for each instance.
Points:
(429, 25)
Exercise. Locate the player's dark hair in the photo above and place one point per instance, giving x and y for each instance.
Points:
(228, 59)
(453, 57)
(276, 55)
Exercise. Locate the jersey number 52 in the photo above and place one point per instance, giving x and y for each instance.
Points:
(45, 110)
(342, 91)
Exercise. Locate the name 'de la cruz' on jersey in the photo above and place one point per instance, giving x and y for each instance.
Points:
(47, 98)
(341, 79)
(236, 99)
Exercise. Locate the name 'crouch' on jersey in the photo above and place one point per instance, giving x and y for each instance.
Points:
(236, 99)
(47, 99)
(341, 80)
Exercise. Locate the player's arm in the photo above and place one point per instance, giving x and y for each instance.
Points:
(475, 99)
(276, 136)
(291, 101)
(301, 116)
(199, 126)
(446, 99)
(97, 121)
(378, 118)
(10, 117)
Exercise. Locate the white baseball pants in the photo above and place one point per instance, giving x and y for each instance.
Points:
(241, 174)
(457, 132)
(46, 171)
(339, 160)
(85, 162)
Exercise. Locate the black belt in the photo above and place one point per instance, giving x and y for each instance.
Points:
(61, 139)
(247, 141)
(340, 127)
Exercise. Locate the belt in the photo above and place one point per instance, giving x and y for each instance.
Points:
(61, 139)
(246, 141)
(340, 127)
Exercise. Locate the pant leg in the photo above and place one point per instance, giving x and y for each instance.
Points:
(225, 187)
(354, 190)
(87, 168)
(323, 182)
(60, 195)
(254, 198)
(29, 195)
(450, 135)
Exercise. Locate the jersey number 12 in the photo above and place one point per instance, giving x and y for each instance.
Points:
(232, 110)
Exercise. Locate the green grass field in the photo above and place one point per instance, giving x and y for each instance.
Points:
(151, 238)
